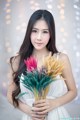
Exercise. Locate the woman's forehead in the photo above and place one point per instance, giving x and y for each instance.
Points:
(41, 24)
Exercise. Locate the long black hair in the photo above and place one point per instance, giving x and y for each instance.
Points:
(26, 48)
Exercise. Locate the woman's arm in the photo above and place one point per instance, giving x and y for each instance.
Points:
(48, 105)
(23, 107)
(12, 86)
(70, 82)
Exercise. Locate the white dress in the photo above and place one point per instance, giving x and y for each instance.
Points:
(57, 88)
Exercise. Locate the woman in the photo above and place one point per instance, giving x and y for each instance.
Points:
(39, 41)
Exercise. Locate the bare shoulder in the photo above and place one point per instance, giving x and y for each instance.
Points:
(14, 62)
(63, 57)
(68, 68)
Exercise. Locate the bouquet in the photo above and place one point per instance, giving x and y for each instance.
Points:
(38, 81)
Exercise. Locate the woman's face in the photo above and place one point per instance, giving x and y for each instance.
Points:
(40, 35)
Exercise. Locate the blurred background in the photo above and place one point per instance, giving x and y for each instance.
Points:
(14, 16)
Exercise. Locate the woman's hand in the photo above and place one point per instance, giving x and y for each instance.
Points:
(34, 115)
(42, 107)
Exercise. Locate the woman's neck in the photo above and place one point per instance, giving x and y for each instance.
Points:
(40, 53)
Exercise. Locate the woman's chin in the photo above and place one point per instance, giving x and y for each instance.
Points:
(38, 48)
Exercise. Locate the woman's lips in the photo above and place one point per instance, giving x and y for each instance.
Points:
(39, 43)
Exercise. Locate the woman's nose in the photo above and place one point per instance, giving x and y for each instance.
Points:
(39, 36)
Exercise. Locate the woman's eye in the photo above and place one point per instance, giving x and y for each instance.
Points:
(34, 31)
(45, 31)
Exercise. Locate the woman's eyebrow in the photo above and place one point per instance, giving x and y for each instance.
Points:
(35, 28)
(42, 29)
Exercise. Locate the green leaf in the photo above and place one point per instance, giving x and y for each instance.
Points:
(20, 95)
(28, 87)
(47, 83)
(43, 80)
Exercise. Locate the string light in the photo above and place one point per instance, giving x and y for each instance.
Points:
(8, 12)
(34, 5)
(77, 38)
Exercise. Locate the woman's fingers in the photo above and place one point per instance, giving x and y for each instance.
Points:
(40, 101)
(38, 109)
(45, 112)
(35, 114)
(37, 117)
(40, 105)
